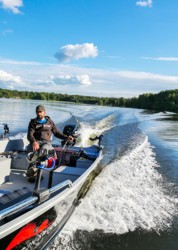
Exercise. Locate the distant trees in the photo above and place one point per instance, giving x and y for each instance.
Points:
(163, 101)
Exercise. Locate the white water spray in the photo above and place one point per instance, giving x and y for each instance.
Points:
(128, 194)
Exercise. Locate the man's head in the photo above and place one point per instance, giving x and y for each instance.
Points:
(40, 111)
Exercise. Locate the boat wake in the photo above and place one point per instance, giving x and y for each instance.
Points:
(128, 194)
(88, 130)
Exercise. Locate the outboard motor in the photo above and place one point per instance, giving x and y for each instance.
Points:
(6, 129)
(70, 129)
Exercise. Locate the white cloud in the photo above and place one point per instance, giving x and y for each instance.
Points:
(12, 5)
(10, 81)
(71, 79)
(170, 59)
(84, 79)
(7, 77)
(77, 51)
(13, 62)
(145, 3)
(147, 76)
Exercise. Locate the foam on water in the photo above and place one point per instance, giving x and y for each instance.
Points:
(91, 130)
(128, 194)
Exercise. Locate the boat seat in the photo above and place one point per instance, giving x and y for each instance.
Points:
(20, 161)
(69, 171)
(13, 144)
(5, 164)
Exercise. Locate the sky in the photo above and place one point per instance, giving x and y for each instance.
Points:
(104, 48)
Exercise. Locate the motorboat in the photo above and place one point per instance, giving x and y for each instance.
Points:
(33, 214)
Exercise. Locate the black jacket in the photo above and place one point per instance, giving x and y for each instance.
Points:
(43, 132)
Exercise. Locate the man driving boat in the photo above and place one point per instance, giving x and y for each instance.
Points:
(40, 131)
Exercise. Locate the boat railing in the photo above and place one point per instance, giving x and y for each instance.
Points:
(60, 186)
(29, 201)
(17, 207)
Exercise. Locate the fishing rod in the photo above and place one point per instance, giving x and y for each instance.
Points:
(12, 154)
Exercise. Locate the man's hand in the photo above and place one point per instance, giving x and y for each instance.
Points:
(35, 146)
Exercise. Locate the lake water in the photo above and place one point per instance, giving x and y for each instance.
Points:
(133, 203)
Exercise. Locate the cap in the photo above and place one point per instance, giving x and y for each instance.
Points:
(40, 108)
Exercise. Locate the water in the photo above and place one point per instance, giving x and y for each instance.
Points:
(133, 202)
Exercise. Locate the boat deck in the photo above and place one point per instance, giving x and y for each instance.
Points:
(18, 184)
(14, 184)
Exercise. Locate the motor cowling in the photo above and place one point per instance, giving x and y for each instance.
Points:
(70, 130)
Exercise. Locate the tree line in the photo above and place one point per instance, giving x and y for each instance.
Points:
(163, 101)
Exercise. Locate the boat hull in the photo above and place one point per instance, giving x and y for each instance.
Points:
(38, 226)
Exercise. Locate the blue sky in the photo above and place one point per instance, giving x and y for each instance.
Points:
(114, 48)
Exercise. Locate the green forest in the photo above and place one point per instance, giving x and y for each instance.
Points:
(163, 101)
